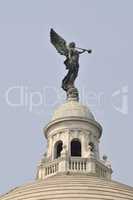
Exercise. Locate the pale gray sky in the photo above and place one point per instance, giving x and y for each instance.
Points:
(28, 61)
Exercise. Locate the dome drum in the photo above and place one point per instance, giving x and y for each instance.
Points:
(73, 122)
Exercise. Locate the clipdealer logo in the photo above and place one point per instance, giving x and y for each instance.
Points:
(121, 95)
(24, 96)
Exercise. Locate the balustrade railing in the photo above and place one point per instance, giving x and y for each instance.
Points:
(77, 164)
(100, 171)
(73, 164)
(51, 169)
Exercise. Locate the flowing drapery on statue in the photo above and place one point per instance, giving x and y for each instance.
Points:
(71, 62)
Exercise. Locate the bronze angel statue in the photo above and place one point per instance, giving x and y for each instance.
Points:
(71, 52)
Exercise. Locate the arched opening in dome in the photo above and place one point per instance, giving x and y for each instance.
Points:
(76, 148)
(57, 149)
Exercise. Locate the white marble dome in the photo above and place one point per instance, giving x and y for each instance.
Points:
(72, 109)
(69, 187)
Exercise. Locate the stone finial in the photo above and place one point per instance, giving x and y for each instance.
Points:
(106, 161)
(105, 157)
(72, 94)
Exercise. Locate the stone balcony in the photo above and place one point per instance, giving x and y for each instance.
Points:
(73, 165)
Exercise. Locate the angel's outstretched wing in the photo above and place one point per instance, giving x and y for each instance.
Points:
(59, 43)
